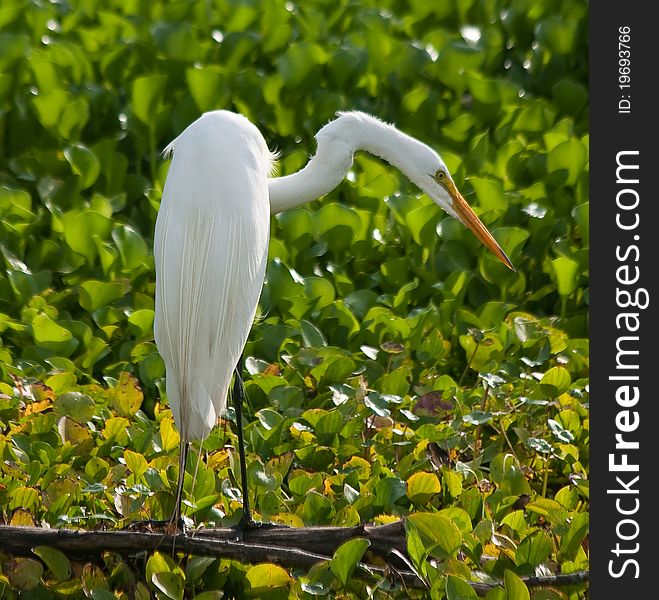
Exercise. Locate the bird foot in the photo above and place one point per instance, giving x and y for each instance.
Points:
(168, 526)
(246, 524)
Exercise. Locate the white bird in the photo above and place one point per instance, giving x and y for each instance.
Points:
(211, 245)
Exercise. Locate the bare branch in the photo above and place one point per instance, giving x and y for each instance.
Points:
(288, 547)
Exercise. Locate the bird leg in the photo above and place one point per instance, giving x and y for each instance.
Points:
(175, 523)
(176, 520)
(246, 521)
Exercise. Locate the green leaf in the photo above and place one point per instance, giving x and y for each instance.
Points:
(533, 549)
(24, 497)
(209, 86)
(195, 567)
(132, 247)
(83, 163)
(83, 228)
(330, 423)
(146, 95)
(422, 222)
(457, 515)
(566, 272)
(360, 301)
(558, 378)
(581, 215)
(62, 113)
(13, 47)
(297, 227)
(570, 96)
(311, 335)
(50, 335)
(101, 594)
(477, 417)
(550, 509)
(415, 547)
(170, 584)
(58, 564)
(571, 541)
(136, 463)
(337, 225)
(439, 532)
(176, 40)
(213, 595)
(159, 563)
(96, 294)
(304, 482)
(76, 405)
(297, 64)
(569, 157)
(346, 557)
(317, 509)
(143, 321)
(489, 193)
(458, 589)
(507, 473)
(24, 574)
(388, 491)
(319, 289)
(515, 588)
(169, 435)
(558, 34)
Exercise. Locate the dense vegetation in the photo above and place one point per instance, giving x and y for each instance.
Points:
(396, 368)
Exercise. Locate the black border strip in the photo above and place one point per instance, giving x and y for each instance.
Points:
(624, 361)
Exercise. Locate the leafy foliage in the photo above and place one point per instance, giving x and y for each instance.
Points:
(396, 368)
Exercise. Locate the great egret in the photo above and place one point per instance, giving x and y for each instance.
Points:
(211, 245)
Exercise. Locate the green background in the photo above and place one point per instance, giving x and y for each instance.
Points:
(386, 334)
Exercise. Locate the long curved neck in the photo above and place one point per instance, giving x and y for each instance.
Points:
(337, 143)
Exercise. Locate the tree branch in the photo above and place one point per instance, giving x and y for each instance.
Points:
(288, 547)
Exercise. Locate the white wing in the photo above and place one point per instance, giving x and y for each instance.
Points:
(210, 250)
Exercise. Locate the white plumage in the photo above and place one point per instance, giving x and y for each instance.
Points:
(210, 247)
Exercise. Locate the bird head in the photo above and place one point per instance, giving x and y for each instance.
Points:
(435, 180)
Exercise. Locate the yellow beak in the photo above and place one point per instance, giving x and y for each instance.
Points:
(469, 218)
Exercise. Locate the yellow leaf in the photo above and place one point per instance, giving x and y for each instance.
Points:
(267, 576)
(136, 463)
(22, 518)
(423, 487)
(77, 435)
(385, 519)
(218, 459)
(168, 435)
(288, 519)
(127, 395)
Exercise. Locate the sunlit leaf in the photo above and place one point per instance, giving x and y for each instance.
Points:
(422, 487)
(147, 92)
(83, 163)
(170, 584)
(347, 556)
(267, 576)
(126, 396)
(515, 587)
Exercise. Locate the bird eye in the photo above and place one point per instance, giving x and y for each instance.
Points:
(439, 176)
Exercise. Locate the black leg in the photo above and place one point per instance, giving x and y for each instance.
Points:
(182, 461)
(246, 521)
